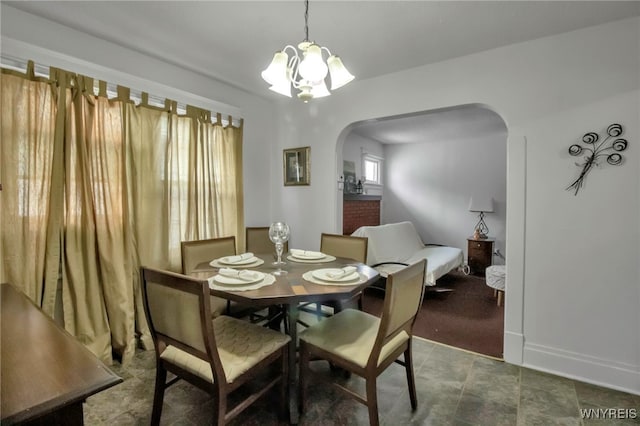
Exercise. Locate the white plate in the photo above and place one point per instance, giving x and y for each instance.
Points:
(241, 262)
(268, 280)
(223, 279)
(322, 274)
(313, 256)
(325, 259)
(256, 262)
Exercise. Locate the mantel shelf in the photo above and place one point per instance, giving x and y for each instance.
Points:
(361, 197)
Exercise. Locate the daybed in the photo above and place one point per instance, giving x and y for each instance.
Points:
(395, 245)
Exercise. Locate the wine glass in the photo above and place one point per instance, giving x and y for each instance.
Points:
(279, 234)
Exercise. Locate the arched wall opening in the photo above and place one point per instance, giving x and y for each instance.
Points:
(433, 161)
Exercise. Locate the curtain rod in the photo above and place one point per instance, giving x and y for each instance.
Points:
(20, 64)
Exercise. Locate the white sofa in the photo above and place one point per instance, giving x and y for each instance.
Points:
(393, 246)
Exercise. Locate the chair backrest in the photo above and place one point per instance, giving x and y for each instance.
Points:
(404, 293)
(178, 312)
(198, 251)
(344, 246)
(258, 241)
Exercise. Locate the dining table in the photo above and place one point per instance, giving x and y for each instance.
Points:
(298, 285)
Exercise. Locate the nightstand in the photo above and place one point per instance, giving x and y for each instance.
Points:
(479, 254)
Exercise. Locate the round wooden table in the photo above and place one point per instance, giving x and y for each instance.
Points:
(290, 290)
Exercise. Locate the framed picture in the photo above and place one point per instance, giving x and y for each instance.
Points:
(349, 172)
(296, 162)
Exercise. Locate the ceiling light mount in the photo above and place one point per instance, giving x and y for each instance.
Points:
(306, 70)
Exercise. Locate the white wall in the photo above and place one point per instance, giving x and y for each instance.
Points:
(430, 185)
(47, 43)
(573, 271)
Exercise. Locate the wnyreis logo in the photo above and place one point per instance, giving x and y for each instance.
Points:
(608, 413)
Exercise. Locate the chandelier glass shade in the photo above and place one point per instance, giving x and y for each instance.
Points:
(305, 69)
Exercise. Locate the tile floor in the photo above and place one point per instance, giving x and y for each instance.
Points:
(454, 388)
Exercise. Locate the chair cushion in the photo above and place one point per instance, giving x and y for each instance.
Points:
(241, 345)
(350, 334)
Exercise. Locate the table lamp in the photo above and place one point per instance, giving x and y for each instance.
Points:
(481, 205)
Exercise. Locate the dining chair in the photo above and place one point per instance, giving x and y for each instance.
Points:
(217, 355)
(366, 345)
(198, 251)
(257, 238)
(340, 246)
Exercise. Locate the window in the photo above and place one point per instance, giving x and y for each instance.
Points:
(372, 169)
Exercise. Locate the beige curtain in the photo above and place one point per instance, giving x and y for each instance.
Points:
(26, 167)
(97, 261)
(215, 183)
(109, 186)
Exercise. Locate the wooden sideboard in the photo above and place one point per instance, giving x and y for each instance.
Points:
(46, 373)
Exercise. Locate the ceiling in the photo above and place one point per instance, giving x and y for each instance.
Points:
(232, 41)
(462, 123)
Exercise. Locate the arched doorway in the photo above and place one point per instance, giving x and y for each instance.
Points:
(434, 162)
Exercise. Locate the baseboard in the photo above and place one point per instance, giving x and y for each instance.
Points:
(513, 344)
(601, 372)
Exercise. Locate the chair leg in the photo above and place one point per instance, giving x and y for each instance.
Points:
(372, 401)
(221, 409)
(411, 382)
(302, 376)
(284, 382)
(319, 311)
(500, 296)
(158, 394)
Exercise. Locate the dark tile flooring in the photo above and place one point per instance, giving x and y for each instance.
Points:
(454, 388)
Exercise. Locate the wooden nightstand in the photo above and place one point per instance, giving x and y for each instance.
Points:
(479, 254)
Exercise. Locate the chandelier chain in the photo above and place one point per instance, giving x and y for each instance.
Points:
(306, 20)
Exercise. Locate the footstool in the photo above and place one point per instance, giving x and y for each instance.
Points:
(495, 276)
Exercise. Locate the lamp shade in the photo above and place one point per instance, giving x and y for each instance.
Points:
(339, 74)
(481, 204)
(276, 72)
(284, 88)
(320, 90)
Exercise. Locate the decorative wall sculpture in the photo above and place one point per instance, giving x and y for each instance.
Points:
(595, 151)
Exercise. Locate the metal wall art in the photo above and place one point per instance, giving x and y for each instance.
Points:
(595, 151)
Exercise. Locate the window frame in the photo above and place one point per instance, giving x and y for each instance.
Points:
(378, 162)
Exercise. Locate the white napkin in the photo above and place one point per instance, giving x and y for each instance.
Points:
(238, 258)
(242, 274)
(347, 270)
(306, 253)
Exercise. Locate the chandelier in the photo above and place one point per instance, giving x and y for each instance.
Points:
(307, 75)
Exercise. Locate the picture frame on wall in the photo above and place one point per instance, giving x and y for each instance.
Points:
(349, 172)
(297, 166)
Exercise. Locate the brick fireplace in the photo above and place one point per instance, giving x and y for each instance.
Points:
(360, 210)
